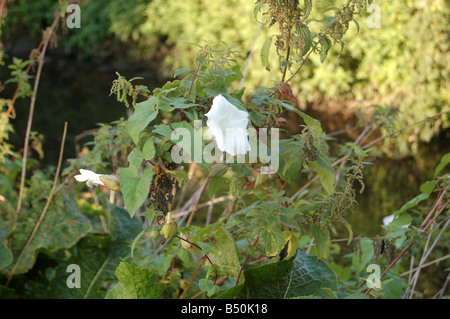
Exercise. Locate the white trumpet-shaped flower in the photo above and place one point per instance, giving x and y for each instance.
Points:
(228, 125)
(91, 178)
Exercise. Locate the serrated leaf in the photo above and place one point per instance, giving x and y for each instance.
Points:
(307, 9)
(306, 36)
(208, 286)
(323, 242)
(134, 189)
(135, 283)
(325, 47)
(325, 171)
(265, 50)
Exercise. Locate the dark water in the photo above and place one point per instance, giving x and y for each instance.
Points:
(74, 92)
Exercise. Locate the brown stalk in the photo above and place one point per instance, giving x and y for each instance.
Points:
(46, 40)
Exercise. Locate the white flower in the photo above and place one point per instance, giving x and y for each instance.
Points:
(228, 125)
(388, 219)
(91, 178)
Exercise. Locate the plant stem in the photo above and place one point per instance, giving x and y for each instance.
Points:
(188, 286)
(246, 259)
(46, 40)
(288, 53)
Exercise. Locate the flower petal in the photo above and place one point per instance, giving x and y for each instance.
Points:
(228, 125)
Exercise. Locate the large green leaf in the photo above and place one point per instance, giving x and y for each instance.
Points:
(144, 113)
(323, 242)
(62, 226)
(325, 171)
(135, 283)
(134, 189)
(303, 275)
(98, 256)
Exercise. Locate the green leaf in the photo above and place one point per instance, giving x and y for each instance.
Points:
(412, 203)
(288, 168)
(271, 236)
(164, 130)
(349, 229)
(134, 189)
(325, 171)
(444, 162)
(208, 286)
(181, 71)
(206, 247)
(62, 226)
(98, 256)
(323, 242)
(135, 157)
(6, 256)
(303, 275)
(357, 25)
(145, 112)
(173, 103)
(265, 50)
(328, 22)
(231, 292)
(325, 45)
(304, 33)
(362, 257)
(148, 149)
(428, 187)
(307, 10)
(135, 283)
(226, 256)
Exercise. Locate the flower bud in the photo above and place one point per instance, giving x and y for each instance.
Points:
(111, 181)
(169, 228)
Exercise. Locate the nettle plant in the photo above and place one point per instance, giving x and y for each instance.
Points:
(252, 248)
(202, 138)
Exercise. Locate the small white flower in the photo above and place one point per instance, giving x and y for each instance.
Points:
(91, 178)
(388, 219)
(228, 125)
